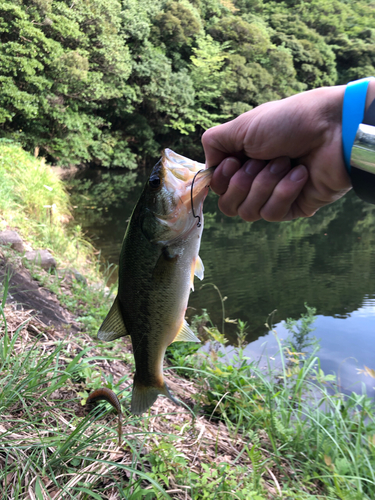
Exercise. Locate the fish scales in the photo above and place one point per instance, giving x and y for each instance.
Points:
(158, 260)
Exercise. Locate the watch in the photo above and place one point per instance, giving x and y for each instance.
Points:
(358, 136)
(362, 159)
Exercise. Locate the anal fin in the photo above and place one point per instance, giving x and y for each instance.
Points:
(113, 326)
(186, 334)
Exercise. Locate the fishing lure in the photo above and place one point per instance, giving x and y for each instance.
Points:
(105, 394)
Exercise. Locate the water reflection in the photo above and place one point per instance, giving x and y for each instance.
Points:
(326, 261)
(346, 347)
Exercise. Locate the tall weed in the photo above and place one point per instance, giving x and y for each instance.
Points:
(324, 434)
(33, 200)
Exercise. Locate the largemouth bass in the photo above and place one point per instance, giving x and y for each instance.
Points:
(158, 261)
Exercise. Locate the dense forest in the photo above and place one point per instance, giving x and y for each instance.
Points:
(111, 82)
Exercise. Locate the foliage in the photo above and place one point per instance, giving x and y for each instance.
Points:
(321, 441)
(34, 200)
(305, 416)
(111, 82)
(221, 479)
(299, 330)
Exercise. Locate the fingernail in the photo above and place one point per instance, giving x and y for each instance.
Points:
(253, 167)
(279, 165)
(298, 173)
(230, 167)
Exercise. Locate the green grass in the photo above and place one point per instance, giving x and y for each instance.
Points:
(35, 203)
(90, 302)
(44, 446)
(327, 438)
(281, 432)
(289, 421)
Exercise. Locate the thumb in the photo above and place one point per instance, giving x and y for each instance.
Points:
(224, 140)
(262, 133)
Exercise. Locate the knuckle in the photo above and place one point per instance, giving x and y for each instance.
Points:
(282, 195)
(260, 187)
(226, 208)
(306, 209)
(247, 214)
(271, 215)
(208, 137)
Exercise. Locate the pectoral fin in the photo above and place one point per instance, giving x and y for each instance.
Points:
(185, 334)
(113, 326)
(199, 268)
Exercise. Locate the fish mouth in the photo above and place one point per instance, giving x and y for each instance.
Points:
(184, 184)
(201, 181)
(181, 166)
(189, 179)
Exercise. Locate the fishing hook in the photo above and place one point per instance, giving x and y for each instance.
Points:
(191, 199)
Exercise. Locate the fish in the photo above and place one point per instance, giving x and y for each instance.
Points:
(105, 394)
(158, 260)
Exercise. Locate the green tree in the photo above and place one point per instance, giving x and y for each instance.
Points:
(59, 63)
(112, 82)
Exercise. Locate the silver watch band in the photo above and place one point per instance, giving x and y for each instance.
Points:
(363, 151)
(362, 158)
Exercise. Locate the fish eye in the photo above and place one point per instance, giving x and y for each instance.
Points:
(154, 181)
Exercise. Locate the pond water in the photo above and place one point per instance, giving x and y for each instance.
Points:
(327, 261)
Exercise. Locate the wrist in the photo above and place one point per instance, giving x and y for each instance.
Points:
(334, 168)
(353, 111)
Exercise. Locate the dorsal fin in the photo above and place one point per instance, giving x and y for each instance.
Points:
(113, 326)
(185, 334)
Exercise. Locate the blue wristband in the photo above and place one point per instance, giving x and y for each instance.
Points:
(353, 110)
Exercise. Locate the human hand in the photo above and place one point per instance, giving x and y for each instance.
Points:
(255, 178)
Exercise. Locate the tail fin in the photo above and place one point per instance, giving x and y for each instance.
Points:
(143, 397)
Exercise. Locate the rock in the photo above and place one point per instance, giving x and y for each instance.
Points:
(79, 277)
(67, 172)
(13, 239)
(41, 258)
(28, 294)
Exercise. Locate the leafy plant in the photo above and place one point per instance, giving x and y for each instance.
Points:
(111, 83)
(300, 330)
